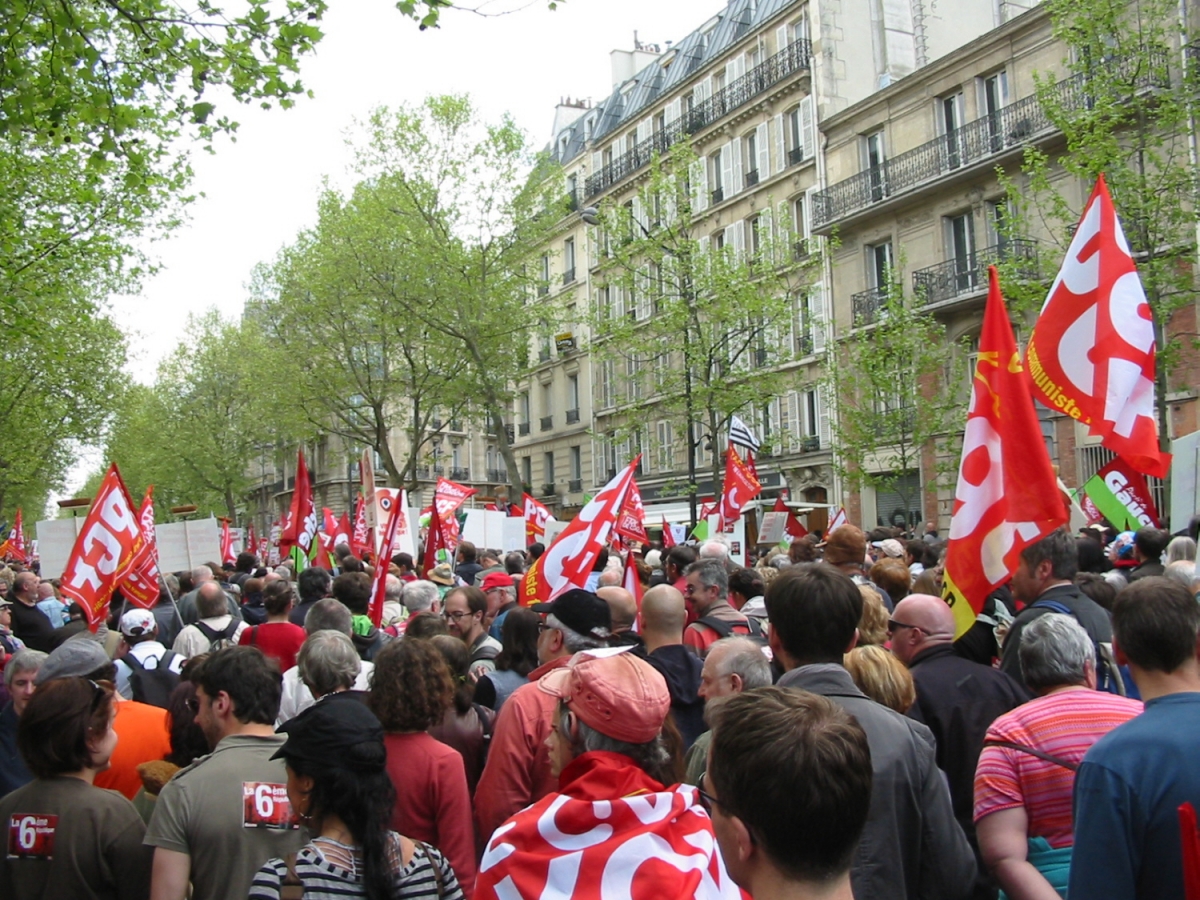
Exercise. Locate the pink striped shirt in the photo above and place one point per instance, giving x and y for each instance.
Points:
(1063, 724)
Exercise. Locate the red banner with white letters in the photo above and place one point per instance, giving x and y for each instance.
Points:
(739, 489)
(631, 523)
(140, 586)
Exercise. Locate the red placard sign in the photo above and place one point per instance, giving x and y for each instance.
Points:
(31, 836)
(265, 804)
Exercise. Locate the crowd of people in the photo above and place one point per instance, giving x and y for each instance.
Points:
(809, 726)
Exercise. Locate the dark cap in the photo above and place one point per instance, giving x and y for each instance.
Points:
(581, 611)
(337, 730)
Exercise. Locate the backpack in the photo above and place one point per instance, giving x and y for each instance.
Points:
(1110, 677)
(219, 640)
(152, 686)
(725, 629)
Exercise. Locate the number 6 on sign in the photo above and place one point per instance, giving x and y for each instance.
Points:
(265, 804)
(31, 836)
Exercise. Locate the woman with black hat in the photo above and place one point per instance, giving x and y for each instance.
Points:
(339, 788)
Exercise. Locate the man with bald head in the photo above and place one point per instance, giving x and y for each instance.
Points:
(623, 607)
(664, 616)
(202, 575)
(957, 698)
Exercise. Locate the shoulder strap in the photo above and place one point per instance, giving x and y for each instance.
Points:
(228, 632)
(1032, 751)
(167, 658)
(133, 662)
(437, 872)
(724, 629)
(291, 888)
(1053, 606)
(253, 635)
(207, 631)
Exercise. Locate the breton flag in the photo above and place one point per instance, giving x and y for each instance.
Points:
(741, 434)
(569, 561)
(1092, 350)
(1007, 494)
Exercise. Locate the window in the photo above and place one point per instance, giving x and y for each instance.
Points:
(795, 135)
(756, 237)
(800, 25)
(960, 242)
(715, 182)
(527, 470)
(718, 240)
(660, 122)
(573, 391)
(548, 399)
(875, 160)
(544, 275)
(548, 470)
(576, 455)
(605, 383)
(633, 375)
(750, 158)
(879, 264)
(950, 119)
(800, 226)
(998, 218)
(523, 411)
(993, 97)
(665, 458)
(568, 260)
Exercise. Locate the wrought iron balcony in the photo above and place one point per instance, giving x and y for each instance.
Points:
(548, 490)
(497, 476)
(459, 474)
(718, 195)
(968, 275)
(1007, 129)
(868, 305)
(771, 71)
(575, 485)
(752, 178)
(810, 443)
(523, 429)
(547, 422)
(572, 416)
(569, 275)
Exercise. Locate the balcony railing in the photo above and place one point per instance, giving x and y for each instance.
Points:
(569, 275)
(572, 416)
(575, 485)
(1006, 129)
(543, 290)
(752, 178)
(497, 476)
(459, 474)
(547, 422)
(810, 443)
(968, 275)
(794, 57)
(547, 490)
(544, 354)
(523, 429)
(718, 195)
(869, 304)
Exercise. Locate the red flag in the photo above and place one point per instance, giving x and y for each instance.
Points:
(360, 537)
(793, 528)
(839, 519)
(668, 535)
(14, 547)
(740, 486)
(140, 586)
(301, 525)
(226, 542)
(379, 580)
(448, 497)
(536, 517)
(568, 561)
(1007, 495)
(1092, 350)
(251, 539)
(631, 582)
(264, 550)
(109, 543)
(631, 523)
(435, 540)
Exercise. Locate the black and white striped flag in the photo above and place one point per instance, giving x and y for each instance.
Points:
(740, 434)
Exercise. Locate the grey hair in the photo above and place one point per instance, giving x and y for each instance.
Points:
(573, 640)
(420, 595)
(328, 661)
(201, 574)
(328, 615)
(712, 573)
(23, 661)
(1181, 548)
(743, 657)
(714, 549)
(780, 561)
(1181, 570)
(1055, 651)
(284, 572)
(650, 756)
(393, 588)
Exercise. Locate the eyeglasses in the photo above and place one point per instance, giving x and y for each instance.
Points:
(455, 615)
(894, 626)
(707, 800)
(193, 703)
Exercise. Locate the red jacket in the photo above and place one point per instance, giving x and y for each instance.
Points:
(517, 771)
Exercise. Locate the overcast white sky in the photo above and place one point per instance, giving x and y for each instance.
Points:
(262, 189)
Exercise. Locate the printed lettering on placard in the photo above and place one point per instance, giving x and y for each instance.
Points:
(265, 804)
(31, 836)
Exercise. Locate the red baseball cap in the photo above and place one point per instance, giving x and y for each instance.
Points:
(614, 692)
(496, 580)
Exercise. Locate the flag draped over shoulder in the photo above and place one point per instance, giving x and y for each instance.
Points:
(1007, 495)
(569, 561)
(110, 543)
(1092, 350)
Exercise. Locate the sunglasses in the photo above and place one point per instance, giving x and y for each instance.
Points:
(894, 626)
(707, 800)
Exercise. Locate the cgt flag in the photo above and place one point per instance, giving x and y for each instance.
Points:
(1092, 350)
(569, 561)
(1007, 495)
(110, 543)
(740, 487)
(301, 526)
(140, 586)
(631, 523)
(536, 518)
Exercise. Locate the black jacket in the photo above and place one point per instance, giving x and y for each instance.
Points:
(681, 669)
(912, 847)
(1090, 614)
(32, 626)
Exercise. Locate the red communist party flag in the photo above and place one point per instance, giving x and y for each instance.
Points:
(140, 586)
(448, 497)
(301, 525)
(536, 517)
(109, 543)
(1007, 494)
(740, 487)
(631, 523)
(630, 580)
(668, 535)
(1092, 351)
(569, 561)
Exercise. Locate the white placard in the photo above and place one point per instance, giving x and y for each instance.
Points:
(514, 533)
(186, 545)
(56, 538)
(1185, 481)
(485, 528)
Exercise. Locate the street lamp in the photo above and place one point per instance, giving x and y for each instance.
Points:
(591, 216)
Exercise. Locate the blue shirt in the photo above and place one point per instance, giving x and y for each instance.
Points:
(1127, 795)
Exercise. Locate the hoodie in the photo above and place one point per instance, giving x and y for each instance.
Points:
(366, 637)
(680, 666)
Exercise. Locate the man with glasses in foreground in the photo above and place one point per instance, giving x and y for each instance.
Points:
(957, 698)
(788, 787)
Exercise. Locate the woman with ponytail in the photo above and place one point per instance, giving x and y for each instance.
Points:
(339, 789)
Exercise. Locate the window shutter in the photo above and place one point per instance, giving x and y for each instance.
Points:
(702, 246)
(728, 152)
(780, 148)
(736, 235)
(702, 91)
(618, 301)
(808, 212)
(639, 216)
(597, 162)
(816, 316)
(699, 177)
(764, 152)
(642, 280)
(782, 36)
(644, 129)
(807, 131)
(766, 235)
(672, 112)
(785, 423)
(823, 420)
(794, 414)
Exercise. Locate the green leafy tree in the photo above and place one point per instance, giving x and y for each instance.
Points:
(693, 326)
(886, 377)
